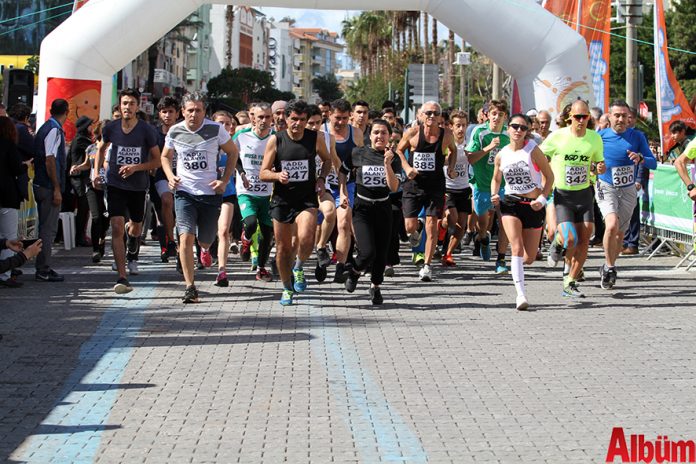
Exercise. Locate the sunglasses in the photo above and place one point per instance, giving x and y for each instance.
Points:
(521, 127)
(431, 113)
(580, 117)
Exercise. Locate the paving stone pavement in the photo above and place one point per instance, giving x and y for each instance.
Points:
(444, 372)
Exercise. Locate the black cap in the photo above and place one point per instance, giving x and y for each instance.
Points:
(83, 123)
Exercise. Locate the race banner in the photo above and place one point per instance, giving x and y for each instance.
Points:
(672, 105)
(669, 206)
(592, 20)
(79, 4)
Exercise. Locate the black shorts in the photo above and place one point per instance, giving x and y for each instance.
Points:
(231, 199)
(125, 203)
(416, 198)
(574, 205)
(286, 211)
(523, 211)
(459, 200)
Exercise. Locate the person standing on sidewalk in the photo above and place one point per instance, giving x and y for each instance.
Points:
(50, 167)
(134, 152)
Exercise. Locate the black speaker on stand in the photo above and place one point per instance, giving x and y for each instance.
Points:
(18, 87)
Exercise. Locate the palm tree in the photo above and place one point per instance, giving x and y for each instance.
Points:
(450, 61)
(229, 22)
(425, 37)
(434, 43)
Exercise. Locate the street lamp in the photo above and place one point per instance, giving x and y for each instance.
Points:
(462, 59)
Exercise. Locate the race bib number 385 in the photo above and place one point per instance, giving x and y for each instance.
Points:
(622, 176)
(298, 170)
(128, 155)
(424, 161)
(374, 176)
(576, 176)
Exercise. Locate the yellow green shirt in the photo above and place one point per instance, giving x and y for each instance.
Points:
(571, 157)
(690, 150)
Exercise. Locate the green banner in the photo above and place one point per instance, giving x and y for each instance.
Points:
(669, 207)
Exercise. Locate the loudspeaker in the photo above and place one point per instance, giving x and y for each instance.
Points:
(18, 87)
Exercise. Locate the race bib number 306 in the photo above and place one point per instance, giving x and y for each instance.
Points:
(424, 161)
(298, 170)
(622, 176)
(374, 176)
(128, 155)
(576, 176)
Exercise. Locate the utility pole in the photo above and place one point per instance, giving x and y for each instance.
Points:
(633, 12)
(497, 82)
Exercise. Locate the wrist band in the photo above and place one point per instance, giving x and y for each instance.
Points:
(542, 199)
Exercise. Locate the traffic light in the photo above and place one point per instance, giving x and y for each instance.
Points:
(408, 101)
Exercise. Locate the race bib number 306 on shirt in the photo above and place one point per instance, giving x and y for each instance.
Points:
(374, 176)
(424, 161)
(298, 170)
(195, 161)
(128, 155)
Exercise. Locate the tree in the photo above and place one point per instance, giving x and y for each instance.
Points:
(681, 33)
(327, 87)
(33, 64)
(238, 87)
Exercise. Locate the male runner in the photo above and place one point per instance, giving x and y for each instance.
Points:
(168, 113)
(624, 149)
(425, 171)
(359, 116)
(134, 152)
(196, 142)
(278, 110)
(572, 151)
(290, 163)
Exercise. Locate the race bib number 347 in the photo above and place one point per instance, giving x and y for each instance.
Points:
(128, 155)
(298, 170)
(424, 161)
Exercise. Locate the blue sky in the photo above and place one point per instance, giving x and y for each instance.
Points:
(327, 19)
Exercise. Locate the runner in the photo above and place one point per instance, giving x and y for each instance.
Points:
(346, 138)
(134, 152)
(486, 141)
(254, 195)
(687, 156)
(528, 181)
(290, 163)
(278, 110)
(425, 187)
(375, 169)
(359, 116)
(624, 149)
(196, 142)
(572, 151)
(457, 190)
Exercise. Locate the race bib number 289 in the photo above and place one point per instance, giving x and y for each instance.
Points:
(128, 155)
(298, 170)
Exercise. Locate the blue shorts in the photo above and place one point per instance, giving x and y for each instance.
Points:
(482, 200)
(335, 191)
(197, 215)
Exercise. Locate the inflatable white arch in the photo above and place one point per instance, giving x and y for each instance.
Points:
(548, 59)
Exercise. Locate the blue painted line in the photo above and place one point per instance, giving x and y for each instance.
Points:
(72, 430)
(378, 430)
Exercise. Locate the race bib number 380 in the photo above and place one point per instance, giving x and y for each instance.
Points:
(622, 176)
(298, 170)
(374, 176)
(195, 161)
(424, 161)
(128, 155)
(576, 176)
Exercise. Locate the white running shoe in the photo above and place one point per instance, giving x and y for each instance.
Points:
(133, 268)
(426, 273)
(522, 303)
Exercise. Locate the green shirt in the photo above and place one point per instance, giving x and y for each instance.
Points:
(483, 168)
(690, 150)
(572, 156)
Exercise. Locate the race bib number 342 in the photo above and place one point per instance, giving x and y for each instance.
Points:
(298, 170)
(575, 176)
(128, 155)
(424, 161)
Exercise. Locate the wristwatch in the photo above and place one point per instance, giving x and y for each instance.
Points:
(690, 187)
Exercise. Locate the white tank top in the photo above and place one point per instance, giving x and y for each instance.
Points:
(251, 151)
(331, 178)
(462, 168)
(519, 171)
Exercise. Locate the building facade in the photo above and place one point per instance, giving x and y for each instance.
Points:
(314, 54)
(239, 37)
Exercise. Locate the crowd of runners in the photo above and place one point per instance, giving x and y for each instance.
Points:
(344, 185)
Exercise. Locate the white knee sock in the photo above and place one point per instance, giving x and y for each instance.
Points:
(517, 268)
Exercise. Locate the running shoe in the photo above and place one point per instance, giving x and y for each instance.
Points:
(555, 254)
(206, 258)
(486, 247)
(468, 237)
(376, 296)
(221, 280)
(341, 274)
(263, 274)
(581, 276)
(323, 257)
(123, 286)
(171, 249)
(164, 255)
(12, 282)
(190, 295)
(418, 259)
(571, 290)
(437, 254)
(286, 297)
(612, 276)
(500, 267)
(448, 260)
(300, 284)
(415, 238)
(234, 248)
(320, 273)
(245, 252)
(96, 257)
(352, 281)
(476, 250)
(521, 303)
(607, 277)
(426, 273)
(389, 271)
(133, 268)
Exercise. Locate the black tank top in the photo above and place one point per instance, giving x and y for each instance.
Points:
(298, 159)
(429, 160)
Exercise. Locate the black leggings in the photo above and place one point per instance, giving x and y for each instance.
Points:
(249, 225)
(100, 220)
(372, 223)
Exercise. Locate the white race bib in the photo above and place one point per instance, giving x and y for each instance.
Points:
(575, 175)
(424, 161)
(128, 155)
(298, 170)
(374, 176)
(622, 176)
(195, 161)
(256, 186)
(491, 155)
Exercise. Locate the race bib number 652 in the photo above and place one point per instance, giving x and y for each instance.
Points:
(298, 170)
(424, 161)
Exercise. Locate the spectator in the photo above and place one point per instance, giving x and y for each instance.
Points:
(596, 113)
(49, 182)
(680, 139)
(95, 200)
(22, 254)
(20, 113)
(79, 176)
(603, 122)
(11, 169)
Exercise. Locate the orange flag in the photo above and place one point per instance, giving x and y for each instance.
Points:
(672, 105)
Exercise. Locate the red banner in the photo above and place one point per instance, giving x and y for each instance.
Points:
(672, 105)
(83, 97)
(592, 19)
